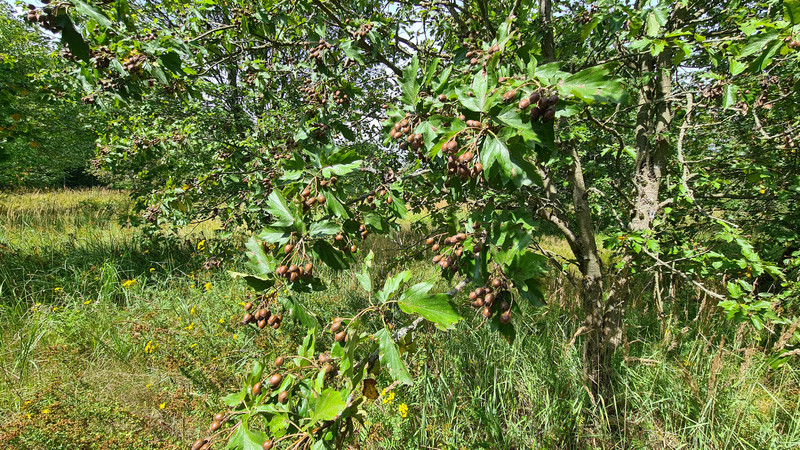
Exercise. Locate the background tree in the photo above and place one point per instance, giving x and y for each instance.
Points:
(604, 133)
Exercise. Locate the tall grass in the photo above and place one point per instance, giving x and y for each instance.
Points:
(90, 358)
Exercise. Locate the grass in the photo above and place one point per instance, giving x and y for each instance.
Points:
(90, 358)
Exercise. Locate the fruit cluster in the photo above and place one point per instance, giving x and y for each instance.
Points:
(478, 56)
(273, 383)
(339, 335)
(449, 256)
(344, 243)
(544, 105)
(46, 17)
(465, 165)
(487, 297)
(317, 52)
(791, 42)
(361, 33)
(262, 318)
(133, 64)
(309, 198)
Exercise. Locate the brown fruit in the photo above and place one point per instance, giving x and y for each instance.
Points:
(327, 368)
(442, 97)
(389, 201)
(437, 258)
(510, 95)
(536, 112)
(548, 115)
(553, 100)
(305, 193)
(459, 252)
(506, 317)
(215, 426)
(336, 326)
(257, 389)
(288, 248)
(294, 268)
(497, 282)
(262, 324)
(429, 241)
(283, 397)
(275, 380)
(487, 312)
(321, 199)
(478, 167)
(293, 277)
(267, 445)
(489, 298)
(272, 320)
(444, 263)
(535, 96)
(353, 248)
(480, 291)
(504, 306)
(309, 267)
(473, 296)
(339, 237)
(461, 236)
(247, 318)
(248, 306)
(279, 361)
(199, 443)
(339, 337)
(219, 417)
(281, 270)
(523, 104)
(435, 247)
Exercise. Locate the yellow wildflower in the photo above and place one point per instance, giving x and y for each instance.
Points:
(56, 289)
(163, 405)
(389, 398)
(45, 411)
(128, 283)
(191, 311)
(150, 347)
(221, 320)
(235, 337)
(190, 327)
(87, 302)
(403, 410)
(149, 385)
(201, 245)
(208, 286)
(152, 269)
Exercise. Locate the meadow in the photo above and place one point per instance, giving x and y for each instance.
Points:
(112, 339)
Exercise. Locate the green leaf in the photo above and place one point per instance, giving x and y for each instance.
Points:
(334, 206)
(298, 313)
(352, 51)
(274, 236)
(791, 11)
(253, 440)
(340, 169)
(234, 399)
(257, 283)
(390, 357)
(323, 229)
(494, 151)
(259, 262)
(279, 210)
(327, 405)
(392, 284)
(435, 308)
(73, 39)
(330, 256)
(409, 85)
(594, 84)
(729, 97)
(92, 12)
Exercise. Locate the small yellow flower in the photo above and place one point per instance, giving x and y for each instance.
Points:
(190, 327)
(208, 286)
(87, 302)
(163, 405)
(403, 410)
(45, 411)
(57, 289)
(221, 320)
(149, 385)
(27, 402)
(152, 269)
(193, 345)
(235, 337)
(201, 245)
(55, 308)
(128, 283)
(191, 311)
(150, 347)
(389, 398)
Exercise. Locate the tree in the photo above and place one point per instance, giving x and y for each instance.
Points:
(603, 131)
(45, 135)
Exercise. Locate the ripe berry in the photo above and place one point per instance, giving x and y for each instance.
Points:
(497, 282)
(219, 417)
(487, 312)
(215, 426)
(275, 380)
(248, 306)
(283, 397)
(267, 445)
(353, 248)
(435, 247)
(257, 389)
(279, 361)
(321, 199)
(506, 317)
(429, 241)
(288, 248)
(339, 337)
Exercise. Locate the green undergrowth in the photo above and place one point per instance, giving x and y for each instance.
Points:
(113, 340)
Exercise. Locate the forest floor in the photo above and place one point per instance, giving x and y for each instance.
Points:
(112, 340)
